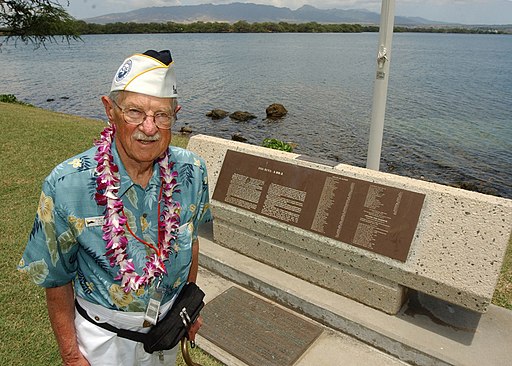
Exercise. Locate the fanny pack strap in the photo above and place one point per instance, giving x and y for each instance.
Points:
(124, 333)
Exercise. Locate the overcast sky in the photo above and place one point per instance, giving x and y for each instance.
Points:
(456, 11)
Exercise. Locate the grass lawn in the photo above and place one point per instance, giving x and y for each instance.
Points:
(34, 141)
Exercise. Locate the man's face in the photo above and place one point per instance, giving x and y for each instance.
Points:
(140, 144)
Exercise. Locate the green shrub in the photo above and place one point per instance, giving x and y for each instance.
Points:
(277, 145)
(10, 98)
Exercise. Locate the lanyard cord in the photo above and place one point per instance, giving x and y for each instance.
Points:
(149, 245)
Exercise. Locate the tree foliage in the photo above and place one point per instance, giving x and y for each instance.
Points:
(36, 21)
(241, 26)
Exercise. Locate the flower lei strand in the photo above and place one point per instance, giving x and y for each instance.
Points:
(107, 188)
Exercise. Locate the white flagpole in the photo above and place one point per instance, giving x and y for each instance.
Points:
(380, 89)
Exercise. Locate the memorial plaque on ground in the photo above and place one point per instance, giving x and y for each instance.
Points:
(368, 215)
(255, 331)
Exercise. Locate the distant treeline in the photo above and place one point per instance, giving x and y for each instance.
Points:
(219, 27)
(246, 27)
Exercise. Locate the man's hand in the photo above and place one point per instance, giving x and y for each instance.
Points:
(194, 328)
(79, 360)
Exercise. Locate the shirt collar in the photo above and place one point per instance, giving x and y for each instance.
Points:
(126, 182)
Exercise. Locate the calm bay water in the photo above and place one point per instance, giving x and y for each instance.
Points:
(448, 118)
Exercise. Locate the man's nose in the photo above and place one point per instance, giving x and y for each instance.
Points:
(149, 125)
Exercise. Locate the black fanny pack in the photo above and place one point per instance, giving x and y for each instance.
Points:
(167, 333)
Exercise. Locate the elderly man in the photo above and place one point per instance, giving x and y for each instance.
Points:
(116, 226)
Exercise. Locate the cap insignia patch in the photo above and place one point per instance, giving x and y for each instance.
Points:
(124, 70)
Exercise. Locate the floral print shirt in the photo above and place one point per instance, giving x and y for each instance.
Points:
(66, 240)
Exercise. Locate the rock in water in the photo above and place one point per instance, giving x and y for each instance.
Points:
(217, 114)
(242, 116)
(238, 137)
(275, 111)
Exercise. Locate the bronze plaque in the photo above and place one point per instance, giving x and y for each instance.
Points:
(368, 215)
(255, 331)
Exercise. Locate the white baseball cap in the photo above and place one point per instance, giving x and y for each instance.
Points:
(151, 73)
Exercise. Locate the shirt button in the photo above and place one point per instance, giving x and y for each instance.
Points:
(97, 318)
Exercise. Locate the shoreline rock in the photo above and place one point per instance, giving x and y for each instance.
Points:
(186, 130)
(276, 111)
(242, 116)
(217, 114)
(237, 136)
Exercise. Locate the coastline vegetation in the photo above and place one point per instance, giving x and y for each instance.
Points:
(81, 27)
(34, 141)
(243, 26)
(73, 29)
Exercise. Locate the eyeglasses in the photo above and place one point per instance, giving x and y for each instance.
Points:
(134, 116)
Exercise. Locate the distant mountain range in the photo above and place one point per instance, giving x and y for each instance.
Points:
(252, 13)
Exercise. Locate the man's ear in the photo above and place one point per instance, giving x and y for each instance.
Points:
(109, 107)
(178, 107)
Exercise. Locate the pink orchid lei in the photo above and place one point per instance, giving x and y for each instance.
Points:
(107, 188)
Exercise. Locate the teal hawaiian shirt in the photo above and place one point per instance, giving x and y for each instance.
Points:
(66, 240)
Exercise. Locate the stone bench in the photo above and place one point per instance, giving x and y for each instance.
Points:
(450, 246)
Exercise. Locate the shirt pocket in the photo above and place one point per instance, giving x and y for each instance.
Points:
(184, 246)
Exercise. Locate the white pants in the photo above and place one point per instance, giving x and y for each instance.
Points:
(103, 348)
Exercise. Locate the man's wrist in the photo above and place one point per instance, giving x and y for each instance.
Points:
(73, 358)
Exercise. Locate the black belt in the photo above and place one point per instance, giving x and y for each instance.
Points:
(128, 334)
